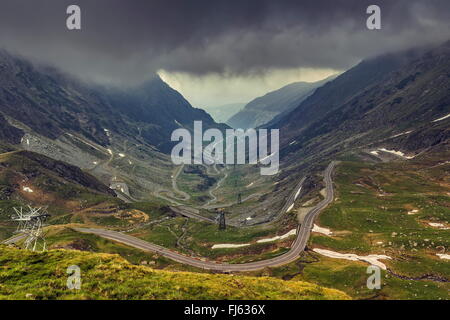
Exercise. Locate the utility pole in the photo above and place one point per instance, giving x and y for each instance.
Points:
(239, 198)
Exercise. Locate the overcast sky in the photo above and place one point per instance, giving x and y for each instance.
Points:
(216, 52)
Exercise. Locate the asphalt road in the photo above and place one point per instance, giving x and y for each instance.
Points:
(185, 196)
(303, 233)
(15, 238)
(191, 214)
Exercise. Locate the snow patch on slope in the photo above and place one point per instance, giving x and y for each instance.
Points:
(293, 232)
(443, 118)
(372, 258)
(438, 225)
(229, 245)
(321, 230)
(401, 134)
(397, 153)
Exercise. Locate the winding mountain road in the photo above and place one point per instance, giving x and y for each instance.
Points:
(303, 233)
(185, 196)
(211, 194)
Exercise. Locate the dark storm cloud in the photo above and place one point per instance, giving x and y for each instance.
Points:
(128, 40)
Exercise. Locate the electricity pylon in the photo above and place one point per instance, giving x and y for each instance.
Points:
(239, 198)
(30, 222)
(222, 224)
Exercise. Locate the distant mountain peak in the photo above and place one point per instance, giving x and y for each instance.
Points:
(263, 109)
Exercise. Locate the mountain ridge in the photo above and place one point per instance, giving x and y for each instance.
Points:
(414, 91)
(52, 103)
(264, 109)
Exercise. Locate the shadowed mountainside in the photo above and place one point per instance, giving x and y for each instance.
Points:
(392, 101)
(52, 104)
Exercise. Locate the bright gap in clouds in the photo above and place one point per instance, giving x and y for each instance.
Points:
(216, 90)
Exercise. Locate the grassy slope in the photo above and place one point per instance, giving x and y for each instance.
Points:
(62, 195)
(104, 276)
(198, 237)
(370, 216)
(61, 237)
(372, 203)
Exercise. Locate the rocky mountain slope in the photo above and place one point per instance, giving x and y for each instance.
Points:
(264, 109)
(120, 135)
(156, 110)
(9, 133)
(392, 107)
(31, 166)
(28, 178)
(395, 101)
(52, 104)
